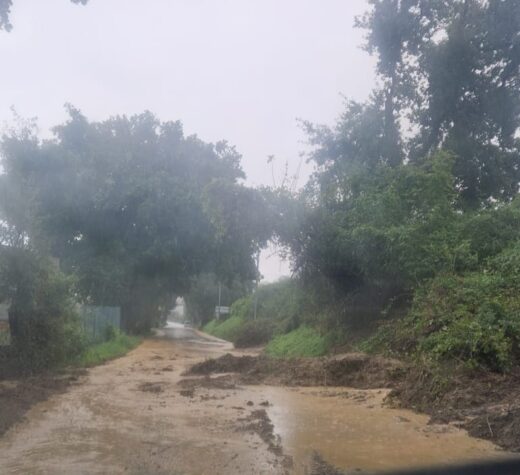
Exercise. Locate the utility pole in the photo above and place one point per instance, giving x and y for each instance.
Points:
(219, 298)
(255, 305)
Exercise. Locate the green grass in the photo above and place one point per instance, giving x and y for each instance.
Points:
(211, 326)
(227, 330)
(118, 346)
(5, 337)
(304, 341)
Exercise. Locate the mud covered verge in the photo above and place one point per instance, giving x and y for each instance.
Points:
(18, 395)
(486, 404)
(355, 370)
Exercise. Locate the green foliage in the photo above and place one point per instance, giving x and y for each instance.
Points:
(133, 207)
(254, 332)
(45, 331)
(5, 12)
(449, 66)
(491, 230)
(242, 308)
(117, 346)
(282, 307)
(48, 343)
(211, 326)
(227, 329)
(203, 296)
(304, 341)
(5, 336)
(385, 227)
(473, 319)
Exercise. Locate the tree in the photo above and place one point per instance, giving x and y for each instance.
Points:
(452, 70)
(5, 11)
(203, 295)
(124, 204)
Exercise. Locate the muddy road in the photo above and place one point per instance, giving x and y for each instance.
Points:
(140, 415)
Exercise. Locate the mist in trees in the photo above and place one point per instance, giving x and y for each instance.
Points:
(131, 207)
(414, 189)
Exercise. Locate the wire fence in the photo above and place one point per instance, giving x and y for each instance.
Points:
(98, 321)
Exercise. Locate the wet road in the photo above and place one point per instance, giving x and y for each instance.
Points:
(179, 332)
(139, 415)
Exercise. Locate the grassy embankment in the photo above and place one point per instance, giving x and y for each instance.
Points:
(285, 323)
(116, 347)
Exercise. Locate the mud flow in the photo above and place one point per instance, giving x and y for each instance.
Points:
(148, 413)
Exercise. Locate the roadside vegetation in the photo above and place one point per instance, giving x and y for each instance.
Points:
(407, 243)
(118, 345)
(304, 341)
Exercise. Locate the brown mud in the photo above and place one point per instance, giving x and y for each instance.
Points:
(355, 370)
(148, 413)
(486, 404)
(18, 395)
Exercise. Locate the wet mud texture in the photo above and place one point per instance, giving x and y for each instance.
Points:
(18, 395)
(486, 404)
(354, 370)
(148, 413)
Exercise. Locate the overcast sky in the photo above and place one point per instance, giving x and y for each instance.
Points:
(240, 70)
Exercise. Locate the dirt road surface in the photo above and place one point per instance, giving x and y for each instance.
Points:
(140, 415)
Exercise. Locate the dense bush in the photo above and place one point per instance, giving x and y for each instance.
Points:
(471, 319)
(45, 331)
(254, 332)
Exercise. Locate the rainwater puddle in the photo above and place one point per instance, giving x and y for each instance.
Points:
(351, 430)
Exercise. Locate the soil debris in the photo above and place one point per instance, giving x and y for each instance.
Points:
(207, 382)
(355, 370)
(187, 392)
(501, 425)
(18, 396)
(320, 467)
(486, 404)
(151, 387)
(258, 422)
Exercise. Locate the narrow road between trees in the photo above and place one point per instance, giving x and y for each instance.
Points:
(140, 415)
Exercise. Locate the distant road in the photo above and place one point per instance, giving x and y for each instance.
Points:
(177, 331)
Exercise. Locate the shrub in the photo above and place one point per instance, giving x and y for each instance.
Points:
(45, 331)
(304, 341)
(211, 326)
(227, 329)
(253, 333)
(473, 319)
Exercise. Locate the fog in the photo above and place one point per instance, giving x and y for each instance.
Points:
(243, 71)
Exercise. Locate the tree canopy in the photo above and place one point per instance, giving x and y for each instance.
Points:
(133, 207)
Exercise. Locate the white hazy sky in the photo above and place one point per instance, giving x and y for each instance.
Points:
(240, 70)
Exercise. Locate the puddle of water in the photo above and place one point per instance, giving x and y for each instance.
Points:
(351, 430)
